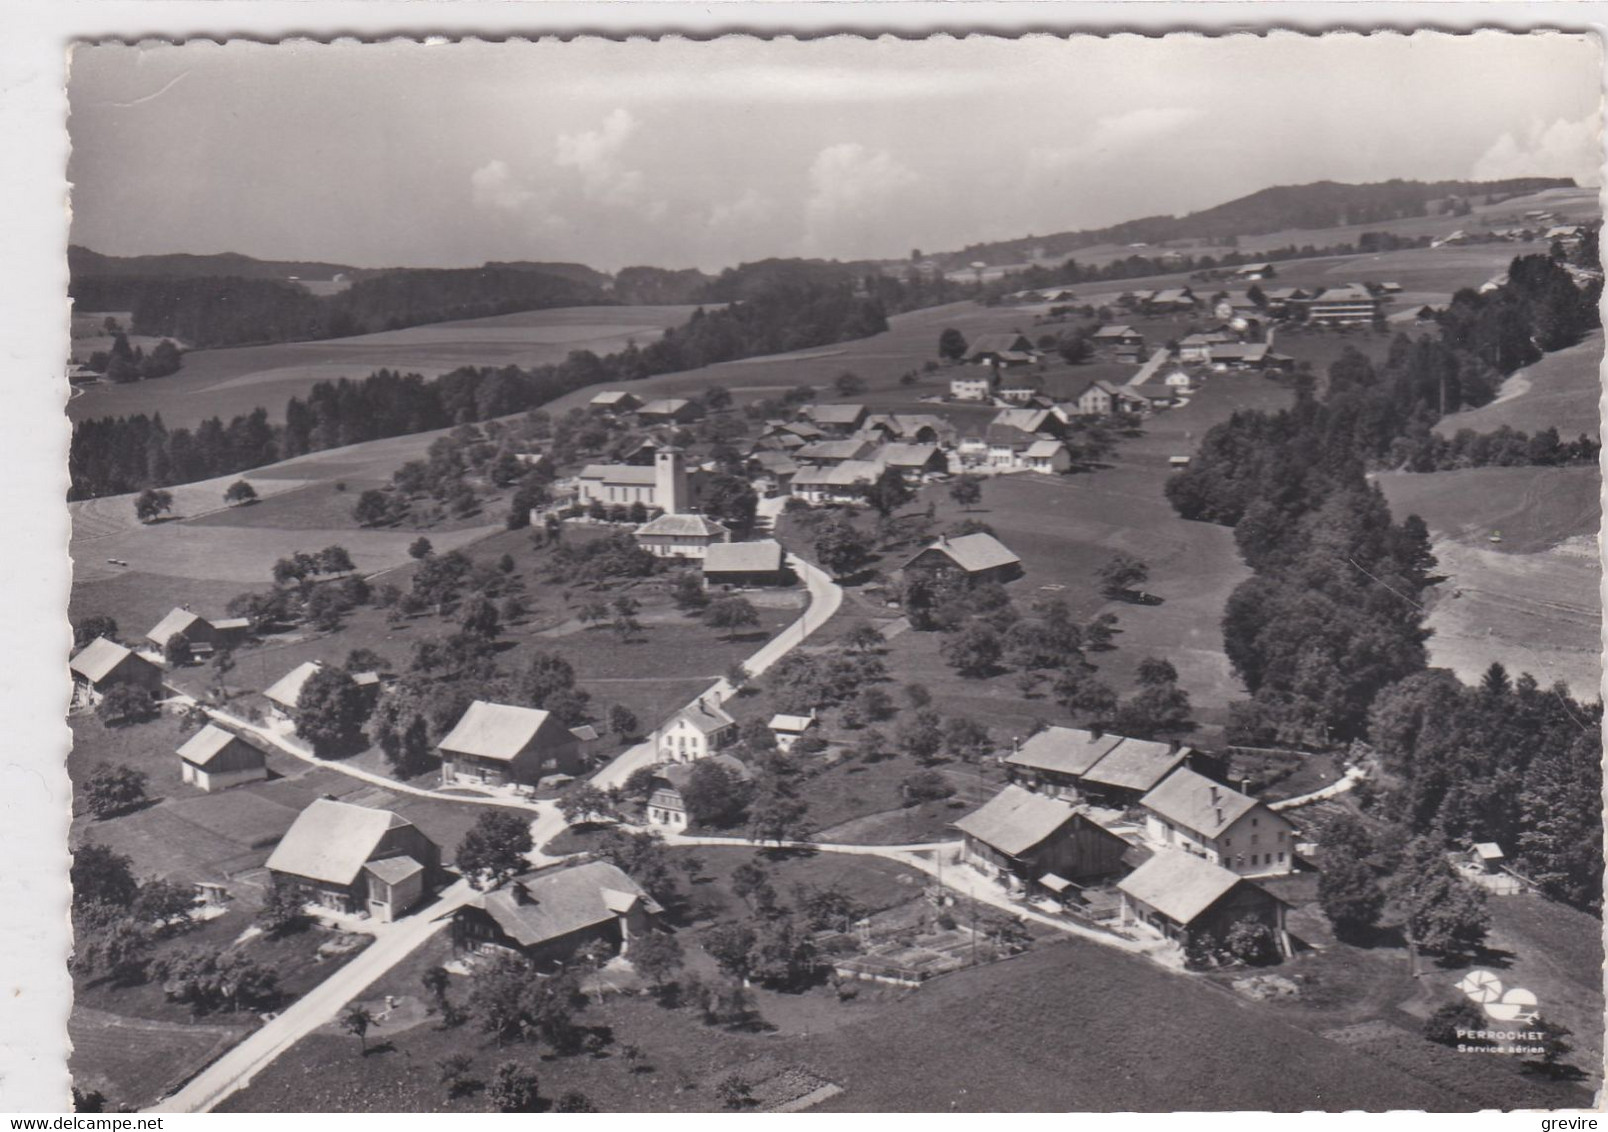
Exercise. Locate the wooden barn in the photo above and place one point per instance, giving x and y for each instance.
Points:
(548, 917)
(1029, 841)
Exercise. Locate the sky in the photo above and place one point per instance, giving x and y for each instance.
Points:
(706, 154)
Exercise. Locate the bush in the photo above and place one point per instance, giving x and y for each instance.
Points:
(1442, 1026)
(925, 786)
(1251, 942)
(124, 704)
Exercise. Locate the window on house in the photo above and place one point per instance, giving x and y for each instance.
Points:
(1281, 858)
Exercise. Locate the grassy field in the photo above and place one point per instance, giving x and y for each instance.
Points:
(232, 381)
(1532, 601)
(1560, 391)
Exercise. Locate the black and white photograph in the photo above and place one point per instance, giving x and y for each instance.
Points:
(953, 573)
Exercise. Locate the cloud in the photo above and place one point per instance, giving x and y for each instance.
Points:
(1562, 148)
(596, 155)
(496, 187)
(795, 84)
(858, 200)
(1113, 137)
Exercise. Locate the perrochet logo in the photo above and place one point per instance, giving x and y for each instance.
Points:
(1511, 1004)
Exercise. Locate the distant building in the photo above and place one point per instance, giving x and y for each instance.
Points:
(103, 663)
(789, 729)
(1351, 305)
(829, 453)
(1252, 271)
(614, 401)
(1172, 299)
(1123, 343)
(355, 859)
(215, 759)
(1187, 898)
(1189, 812)
(1029, 841)
(837, 420)
(760, 563)
(667, 803)
(1049, 457)
(699, 730)
(202, 634)
(284, 694)
(913, 461)
(502, 744)
(681, 536)
(847, 482)
(979, 557)
(669, 410)
(977, 385)
(548, 917)
(1001, 351)
(666, 485)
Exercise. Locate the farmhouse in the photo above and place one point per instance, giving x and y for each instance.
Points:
(1252, 271)
(1054, 760)
(215, 759)
(614, 401)
(1048, 456)
(355, 859)
(789, 729)
(1172, 299)
(503, 744)
(668, 410)
(1123, 343)
(772, 471)
(1096, 399)
(913, 461)
(1146, 399)
(1006, 445)
(1038, 421)
(1187, 899)
(1130, 770)
(746, 564)
(980, 557)
(1280, 299)
(680, 536)
(549, 917)
(1351, 305)
(1195, 348)
(203, 635)
(103, 663)
(667, 803)
(1191, 813)
(837, 420)
(914, 428)
(1002, 351)
(1025, 840)
(975, 386)
(830, 453)
(1241, 355)
(665, 485)
(284, 694)
(697, 731)
(847, 482)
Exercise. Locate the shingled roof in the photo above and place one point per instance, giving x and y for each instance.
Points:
(493, 731)
(1015, 820)
(1179, 885)
(546, 906)
(331, 841)
(973, 553)
(286, 691)
(1197, 803)
(97, 659)
(705, 716)
(744, 557)
(177, 621)
(1136, 764)
(1063, 750)
(684, 526)
(207, 743)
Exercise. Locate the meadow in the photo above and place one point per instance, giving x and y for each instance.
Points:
(228, 382)
(1560, 391)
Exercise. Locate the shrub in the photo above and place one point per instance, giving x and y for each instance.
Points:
(1442, 1026)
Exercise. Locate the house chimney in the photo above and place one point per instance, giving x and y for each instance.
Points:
(1213, 789)
(1096, 730)
(1219, 816)
(1173, 746)
(1245, 784)
(521, 893)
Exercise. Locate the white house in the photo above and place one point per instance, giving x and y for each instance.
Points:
(975, 385)
(698, 730)
(789, 729)
(1048, 456)
(680, 536)
(1191, 813)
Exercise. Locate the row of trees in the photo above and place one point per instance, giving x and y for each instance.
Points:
(124, 363)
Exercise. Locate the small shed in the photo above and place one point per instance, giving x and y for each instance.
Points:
(215, 759)
(789, 729)
(1489, 856)
(745, 564)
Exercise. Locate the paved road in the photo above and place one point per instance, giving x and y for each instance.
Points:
(234, 1070)
(825, 598)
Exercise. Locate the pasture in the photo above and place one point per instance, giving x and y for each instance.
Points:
(228, 382)
(1532, 601)
(1560, 391)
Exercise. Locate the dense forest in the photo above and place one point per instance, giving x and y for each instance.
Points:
(1328, 633)
(112, 455)
(1323, 204)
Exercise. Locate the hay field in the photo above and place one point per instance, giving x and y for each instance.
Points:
(228, 382)
(1560, 391)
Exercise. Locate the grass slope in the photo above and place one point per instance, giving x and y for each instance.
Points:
(1560, 391)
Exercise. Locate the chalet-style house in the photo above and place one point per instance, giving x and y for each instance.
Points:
(1096, 399)
(103, 664)
(1029, 841)
(772, 472)
(760, 563)
(355, 859)
(979, 557)
(1184, 897)
(789, 729)
(1034, 421)
(831, 453)
(501, 744)
(1241, 355)
(667, 804)
(614, 401)
(1121, 343)
(1147, 399)
(666, 485)
(204, 634)
(284, 694)
(215, 759)
(1254, 271)
(1050, 457)
(913, 461)
(1191, 813)
(680, 536)
(837, 420)
(1280, 300)
(1351, 305)
(1053, 761)
(668, 410)
(548, 917)
(1001, 351)
(977, 385)
(698, 730)
(847, 482)
(1171, 299)
(912, 428)
(1130, 770)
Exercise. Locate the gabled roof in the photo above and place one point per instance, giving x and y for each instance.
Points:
(851, 448)
(1197, 803)
(665, 406)
(1028, 420)
(1350, 293)
(1155, 391)
(1015, 820)
(1043, 449)
(974, 552)
(559, 903)
(1194, 340)
(776, 463)
(207, 743)
(684, 526)
(331, 841)
(837, 414)
(1136, 764)
(96, 660)
(394, 870)
(846, 474)
(1179, 885)
(907, 455)
(1008, 436)
(635, 475)
(1248, 268)
(493, 731)
(1117, 332)
(744, 557)
(704, 716)
(1174, 295)
(611, 397)
(286, 691)
(1063, 750)
(1005, 343)
(791, 723)
(177, 621)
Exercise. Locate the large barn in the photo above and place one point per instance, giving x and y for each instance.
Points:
(355, 860)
